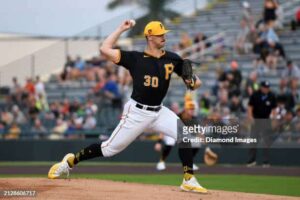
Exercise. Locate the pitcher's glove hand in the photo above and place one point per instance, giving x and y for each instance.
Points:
(187, 74)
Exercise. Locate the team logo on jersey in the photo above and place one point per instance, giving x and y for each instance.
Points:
(169, 69)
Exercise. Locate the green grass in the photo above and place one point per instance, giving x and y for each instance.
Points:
(276, 185)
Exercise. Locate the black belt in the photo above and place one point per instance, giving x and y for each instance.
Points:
(155, 109)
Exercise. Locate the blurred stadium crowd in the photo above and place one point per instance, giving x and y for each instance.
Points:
(30, 112)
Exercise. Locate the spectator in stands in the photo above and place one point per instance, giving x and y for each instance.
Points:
(226, 115)
(280, 17)
(96, 69)
(242, 38)
(41, 95)
(39, 86)
(268, 43)
(236, 107)
(33, 111)
(59, 129)
(200, 37)
(75, 106)
(258, 41)
(247, 15)
(74, 124)
(68, 67)
(29, 87)
(285, 127)
(220, 81)
(38, 130)
(16, 91)
(234, 78)
(280, 110)
(18, 115)
(272, 59)
(41, 102)
(260, 67)
(65, 108)
(78, 71)
(54, 110)
(6, 117)
(290, 77)
(92, 106)
(111, 91)
(270, 7)
(296, 21)
(79, 63)
(251, 84)
(272, 47)
(78, 121)
(205, 103)
(185, 41)
(223, 98)
(90, 121)
(13, 132)
(273, 41)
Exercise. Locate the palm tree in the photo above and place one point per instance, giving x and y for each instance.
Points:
(157, 10)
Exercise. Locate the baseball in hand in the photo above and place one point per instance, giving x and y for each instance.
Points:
(132, 22)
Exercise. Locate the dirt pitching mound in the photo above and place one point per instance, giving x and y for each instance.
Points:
(74, 189)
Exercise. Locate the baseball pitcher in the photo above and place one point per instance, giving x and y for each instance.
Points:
(151, 71)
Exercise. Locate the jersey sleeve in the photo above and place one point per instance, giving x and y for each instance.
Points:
(126, 59)
(178, 65)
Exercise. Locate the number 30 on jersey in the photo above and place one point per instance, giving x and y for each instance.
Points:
(153, 80)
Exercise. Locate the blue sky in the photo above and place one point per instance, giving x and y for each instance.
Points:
(54, 17)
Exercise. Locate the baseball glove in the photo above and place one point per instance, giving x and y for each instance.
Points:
(187, 74)
(210, 157)
(187, 70)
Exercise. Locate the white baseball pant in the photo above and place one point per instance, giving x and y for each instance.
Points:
(134, 122)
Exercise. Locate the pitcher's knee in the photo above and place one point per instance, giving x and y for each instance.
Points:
(110, 150)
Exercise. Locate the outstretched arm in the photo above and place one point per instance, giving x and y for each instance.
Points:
(106, 48)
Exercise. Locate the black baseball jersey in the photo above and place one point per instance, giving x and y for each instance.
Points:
(151, 75)
(262, 104)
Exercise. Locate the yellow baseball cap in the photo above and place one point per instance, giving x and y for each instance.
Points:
(155, 28)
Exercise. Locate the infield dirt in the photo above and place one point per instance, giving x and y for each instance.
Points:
(111, 190)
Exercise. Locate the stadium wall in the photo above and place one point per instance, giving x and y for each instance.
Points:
(45, 150)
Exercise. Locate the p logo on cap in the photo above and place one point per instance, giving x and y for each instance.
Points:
(155, 28)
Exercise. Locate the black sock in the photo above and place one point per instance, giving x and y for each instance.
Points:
(165, 152)
(89, 152)
(186, 157)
